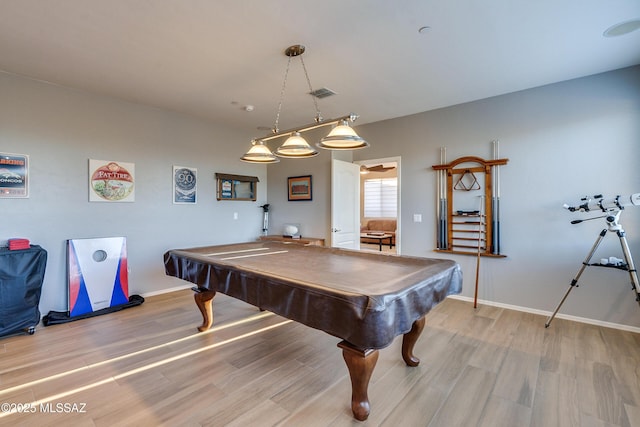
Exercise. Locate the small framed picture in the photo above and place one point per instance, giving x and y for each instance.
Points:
(299, 188)
(14, 175)
(184, 184)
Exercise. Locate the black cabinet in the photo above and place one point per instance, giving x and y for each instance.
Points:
(21, 277)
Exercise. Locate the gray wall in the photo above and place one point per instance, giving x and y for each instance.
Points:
(563, 141)
(312, 215)
(60, 129)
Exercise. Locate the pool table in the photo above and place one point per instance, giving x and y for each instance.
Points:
(366, 299)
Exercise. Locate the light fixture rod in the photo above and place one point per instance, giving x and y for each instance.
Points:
(352, 117)
(315, 102)
(284, 85)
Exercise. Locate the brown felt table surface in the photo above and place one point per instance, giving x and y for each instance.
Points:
(366, 299)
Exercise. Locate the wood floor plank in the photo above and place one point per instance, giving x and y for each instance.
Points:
(609, 395)
(508, 323)
(262, 366)
(558, 354)
(149, 366)
(489, 311)
(312, 384)
(488, 356)
(417, 408)
(396, 387)
(627, 373)
(329, 407)
(556, 401)
(464, 405)
(591, 345)
(516, 380)
(633, 414)
(444, 371)
(529, 336)
(588, 402)
(506, 413)
(172, 406)
(266, 413)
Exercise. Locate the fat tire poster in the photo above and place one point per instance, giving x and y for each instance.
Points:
(111, 181)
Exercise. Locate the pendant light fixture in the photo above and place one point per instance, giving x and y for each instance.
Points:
(341, 137)
(259, 153)
(296, 146)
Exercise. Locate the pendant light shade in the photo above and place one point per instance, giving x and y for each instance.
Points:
(259, 153)
(296, 147)
(342, 137)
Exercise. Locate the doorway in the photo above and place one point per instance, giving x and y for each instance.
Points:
(380, 194)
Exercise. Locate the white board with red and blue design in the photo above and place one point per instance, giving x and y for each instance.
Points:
(98, 276)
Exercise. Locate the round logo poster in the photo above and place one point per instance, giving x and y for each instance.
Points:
(112, 182)
(185, 185)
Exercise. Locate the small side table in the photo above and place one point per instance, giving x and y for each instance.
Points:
(306, 241)
(379, 238)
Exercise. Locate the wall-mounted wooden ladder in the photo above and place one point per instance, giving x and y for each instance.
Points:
(466, 225)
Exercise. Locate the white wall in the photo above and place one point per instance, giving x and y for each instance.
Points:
(60, 129)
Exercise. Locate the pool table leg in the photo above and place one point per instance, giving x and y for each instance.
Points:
(360, 364)
(409, 340)
(204, 300)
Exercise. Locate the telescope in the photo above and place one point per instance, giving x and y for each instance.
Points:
(599, 203)
(612, 209)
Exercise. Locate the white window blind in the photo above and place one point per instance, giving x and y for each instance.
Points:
(381, 198)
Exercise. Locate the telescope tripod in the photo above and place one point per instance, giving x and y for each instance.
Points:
(613, 226)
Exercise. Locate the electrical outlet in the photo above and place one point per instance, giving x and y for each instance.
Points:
(417, 217)
(235, 215)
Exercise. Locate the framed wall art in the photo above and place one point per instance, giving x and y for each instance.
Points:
(299, 188)
(184, 185)
(14, 175)
(111, 181)
(236, 187)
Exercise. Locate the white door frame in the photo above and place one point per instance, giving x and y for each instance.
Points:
(397, 160)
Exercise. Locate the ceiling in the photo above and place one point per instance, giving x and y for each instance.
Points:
(212, 58)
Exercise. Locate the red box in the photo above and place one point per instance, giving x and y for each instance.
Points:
(17, 244)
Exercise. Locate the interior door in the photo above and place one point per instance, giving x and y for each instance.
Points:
(345, 205)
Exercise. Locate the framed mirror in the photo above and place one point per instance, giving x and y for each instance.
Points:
(236, 187)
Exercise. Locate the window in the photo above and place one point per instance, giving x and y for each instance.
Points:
(381, 198)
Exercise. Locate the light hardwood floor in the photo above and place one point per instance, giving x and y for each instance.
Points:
(148, 366)
(374, 247)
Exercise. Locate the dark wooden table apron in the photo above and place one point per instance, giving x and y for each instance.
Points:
(365, 299)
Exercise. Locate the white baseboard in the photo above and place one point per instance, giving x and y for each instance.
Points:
(548, 313)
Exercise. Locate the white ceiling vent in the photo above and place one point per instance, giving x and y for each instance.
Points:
(322, 93)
